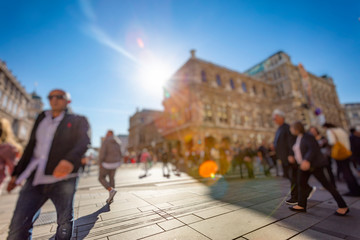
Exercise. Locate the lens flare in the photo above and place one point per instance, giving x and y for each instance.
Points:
(140, 43)
(208, 169)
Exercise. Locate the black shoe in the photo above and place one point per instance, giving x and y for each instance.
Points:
(350, 194)
(340, 214)
(291, 202)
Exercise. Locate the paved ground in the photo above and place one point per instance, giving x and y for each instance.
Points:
(184, 208)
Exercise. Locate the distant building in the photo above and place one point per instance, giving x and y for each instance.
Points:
(16, 105)
(353, 114)
(143, 131)
(124, 142)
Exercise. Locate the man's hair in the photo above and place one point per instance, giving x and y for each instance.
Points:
(278, 112)
(110, 132)
(298, 126)
(66, 94)
(329, 125)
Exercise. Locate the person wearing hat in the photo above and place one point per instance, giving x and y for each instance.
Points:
(49, 166)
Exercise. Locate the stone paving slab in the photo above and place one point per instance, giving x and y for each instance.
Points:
(156, 208)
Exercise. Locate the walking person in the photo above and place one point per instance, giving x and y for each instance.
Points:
(273, 157)
(266, 162)
(9, 149)
(165, 159)
(355, 147)
(311, 162)
(145, 158)
(247, 158)
(109, 160)
(283, 144)
(337, 135)
(325, 150)
(49, 165)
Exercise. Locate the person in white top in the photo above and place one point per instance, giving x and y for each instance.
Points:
(335, 134)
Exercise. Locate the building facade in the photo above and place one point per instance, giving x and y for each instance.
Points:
(301, 94)
(16, 105)
(353, 114)
(144, 131)
(205, 102)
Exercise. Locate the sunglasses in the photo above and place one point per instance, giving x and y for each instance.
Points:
(59, 97)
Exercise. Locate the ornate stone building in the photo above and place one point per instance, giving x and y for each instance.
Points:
(143, 130)
(353, 114)
(205, 102)
(299, 93)
(18, 106)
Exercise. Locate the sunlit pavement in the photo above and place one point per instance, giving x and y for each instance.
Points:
(155, 207)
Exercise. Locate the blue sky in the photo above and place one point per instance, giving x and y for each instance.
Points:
(105, 52)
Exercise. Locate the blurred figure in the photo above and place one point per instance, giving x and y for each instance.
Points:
(283, 144)
(264, 157)
(325, 150)
(225, 154)
(9, 149)
(247, 158)
(109, 160)
(273, 158)
(334, 135)
(311, 162)
(50, 164)
(236, 159)
(355, 147)
(145, 159)
(165, 159)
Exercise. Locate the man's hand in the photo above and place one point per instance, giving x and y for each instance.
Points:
(291, 159)
(305, 165)
(12, 184)
(63, 169)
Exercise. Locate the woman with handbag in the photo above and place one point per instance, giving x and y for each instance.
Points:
(311, 162)
(340, 151)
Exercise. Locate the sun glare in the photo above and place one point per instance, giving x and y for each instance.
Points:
(153, 76)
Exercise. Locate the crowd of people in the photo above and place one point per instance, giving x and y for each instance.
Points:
(50, 162)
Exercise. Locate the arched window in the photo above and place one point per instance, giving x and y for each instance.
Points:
(232, 84)
(203, 76)
(254, 89)
(264, 92)
(243, 85)
(218, 80)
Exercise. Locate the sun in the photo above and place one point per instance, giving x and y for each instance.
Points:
(153, 75)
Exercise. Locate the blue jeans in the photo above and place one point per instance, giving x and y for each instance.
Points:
(32, 198)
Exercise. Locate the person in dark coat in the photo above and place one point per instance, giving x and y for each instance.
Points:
(355, 147)
(311, 162)
(49, 165)
(283, 143)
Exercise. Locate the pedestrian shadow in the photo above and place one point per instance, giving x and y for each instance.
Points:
(84, 224)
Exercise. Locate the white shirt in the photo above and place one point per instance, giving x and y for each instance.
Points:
(297, 150)
(44, 138)
(341, 135)
(111, 166)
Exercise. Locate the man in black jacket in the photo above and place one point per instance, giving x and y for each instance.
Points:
(283, 144)
(49, 165)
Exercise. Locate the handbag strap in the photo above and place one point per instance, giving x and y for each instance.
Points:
(336, 138)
